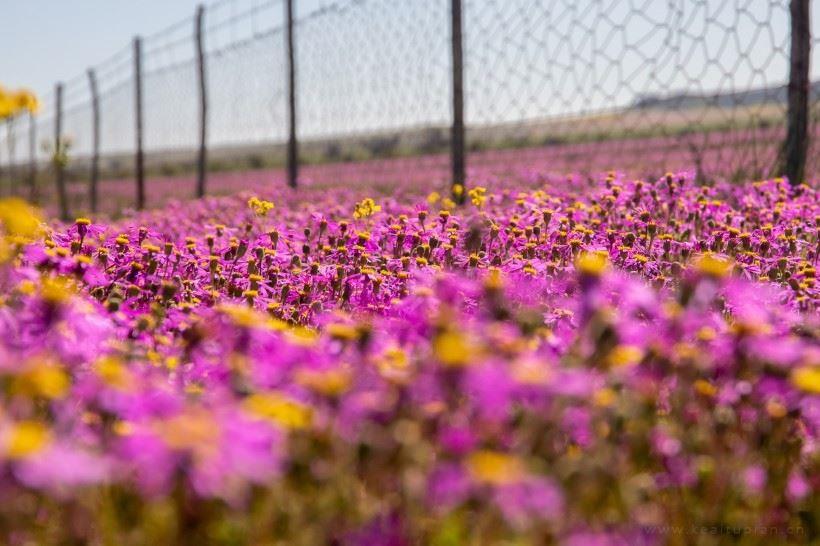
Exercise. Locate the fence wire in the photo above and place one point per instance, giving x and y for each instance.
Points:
(554, 86)
(636, 84)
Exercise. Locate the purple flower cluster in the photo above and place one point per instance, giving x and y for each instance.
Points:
(573, 364)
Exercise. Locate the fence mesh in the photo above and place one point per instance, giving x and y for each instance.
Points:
(641, 84)
(552, 86)
(246, 80)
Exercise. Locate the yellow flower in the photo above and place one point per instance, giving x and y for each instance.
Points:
(712, 266)
(705, 388)
(56, 289)
(7, 106)
(494, 279)
(807, 378)
(13, 103)
(394, 364)
(433, 198)
(122, 428)
(260, 207)
(26, 100)
(194, 429)
(342, 331)
(366, 208)
(19, 218)
(279, 410)
(592, 264)
(328, 382)
(452, 349)
(26, 438)
(624, 355)
(604, 397)
(706, 333)
(113, 372)
(478, 195)
(447, 203)
(298, 335)
(776, 409)
(44, 379)
(494, 467)
(242, 316)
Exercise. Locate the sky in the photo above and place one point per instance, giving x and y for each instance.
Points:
(59, 39)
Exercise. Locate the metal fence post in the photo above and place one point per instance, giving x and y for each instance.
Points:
(32, 158)
(457, 158)
(293, 153)
(139, 166)
(95, 142)
(795, 147)
(202, 163)
(60, 154)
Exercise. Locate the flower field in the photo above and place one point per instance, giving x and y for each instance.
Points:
(618, 362)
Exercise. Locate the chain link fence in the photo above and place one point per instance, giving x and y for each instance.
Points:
(550, 86)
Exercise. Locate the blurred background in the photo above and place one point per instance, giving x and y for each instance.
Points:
(558, 86)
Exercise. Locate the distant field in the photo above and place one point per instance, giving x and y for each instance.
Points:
(739, 143)
(602, 126)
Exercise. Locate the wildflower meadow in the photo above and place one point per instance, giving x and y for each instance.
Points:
(410, 273)
(603, 362)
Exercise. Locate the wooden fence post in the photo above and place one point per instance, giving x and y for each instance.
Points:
(32, 158)
(293, 152)
(795, 147)
(202, 162)
(95, 142)
(139, 166)
(60, 152)
(457, 159)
